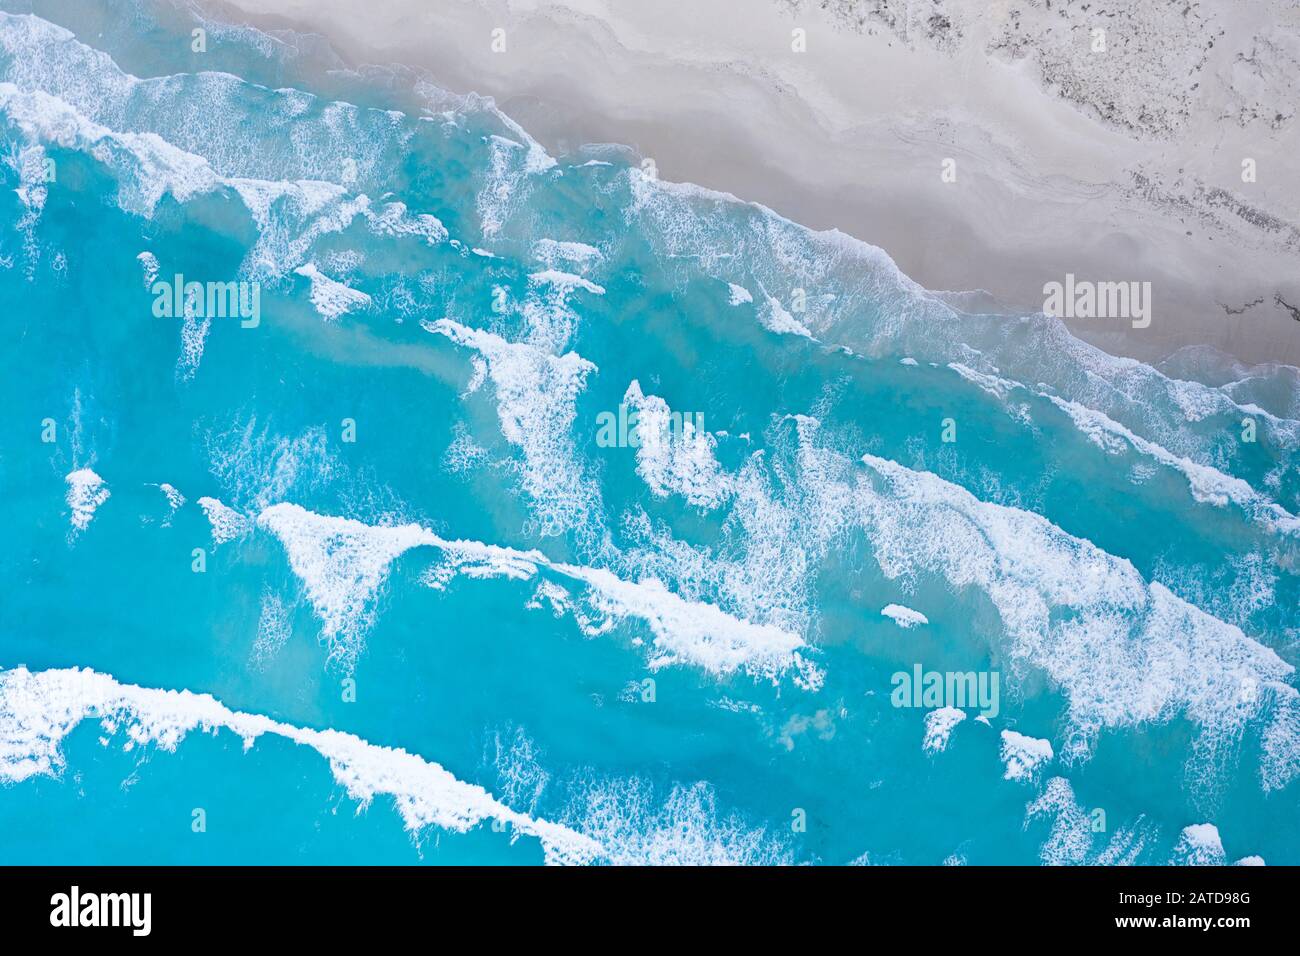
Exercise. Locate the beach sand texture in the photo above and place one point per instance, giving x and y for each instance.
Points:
(1165, 149)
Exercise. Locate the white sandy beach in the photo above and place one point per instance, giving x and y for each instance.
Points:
(1115, 165)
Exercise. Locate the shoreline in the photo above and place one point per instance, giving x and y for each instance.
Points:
(853, 135)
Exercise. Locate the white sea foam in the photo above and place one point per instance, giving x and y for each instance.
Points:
(1023, 756)
(1074, 835)
(521, 778)
(993, 384)
(227, 523)
(549, 317)
(636, 827)
(1280, 761)
(342, 563)
(775, 318)
(691, 225)
(464, 454)
(675, 461)
(536, 394)
(506, 184)
(207, 112)
(39, 710)
(1199, 845)
(86, 492)
(775, 535)
(939, 725)
(174, 498)
(739, 294)
(29, 161)
(564, 282)
(394, 219)
(474, 559)
(684, 632)
(1071, 839)
(175, 501)
(330, 297)
(274, 628)
(1208, 485)
(148, 166)
(257, 466)
(290, 215)
(148, 268)
(556, 597)
(477, 378)
(561, 602)
(699, 634)
(536, 159)
(550, 251)
(904, 616)
(1195, 406)
(1122, 650)
(194, 337)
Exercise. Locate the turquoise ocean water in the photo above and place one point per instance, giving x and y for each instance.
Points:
(365, 574)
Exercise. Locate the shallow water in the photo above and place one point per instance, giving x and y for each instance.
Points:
(392, 508)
